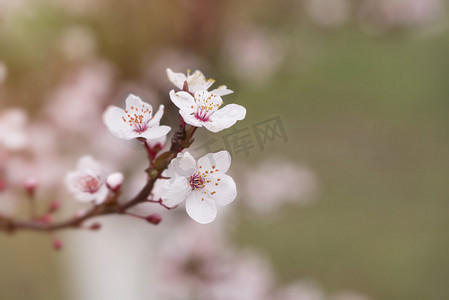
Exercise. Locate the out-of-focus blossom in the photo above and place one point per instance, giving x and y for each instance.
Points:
(328, 13)
(301, 290)
(253, 54)
(13, 134)
(202, 109)
(196, 82)
(196, 263)
(203, 185)
(76, 104)
(77, 42)
(46, 169)
(87, 183)
(136, 121)
(246, 277)
(385, 14)
(274, 183)
(3, 72)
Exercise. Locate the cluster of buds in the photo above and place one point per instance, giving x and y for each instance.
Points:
(202, 184)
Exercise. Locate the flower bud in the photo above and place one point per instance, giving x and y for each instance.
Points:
(57, 244)
(154, 219)
(114, 181)
(30, 186)
(95, 226)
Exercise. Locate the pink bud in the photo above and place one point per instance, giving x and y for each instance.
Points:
(30, 186)
(154, 219)
(57, 244)
(114, 181)
(95, 226)
(2, 185)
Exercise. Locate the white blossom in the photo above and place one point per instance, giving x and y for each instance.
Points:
(203, 109)
(87, 183)
(135, 121)
(203, 185)
(196, 82)
(13, 134)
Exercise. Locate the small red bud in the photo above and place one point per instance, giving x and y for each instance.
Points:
(95, 226)
(54, 206)
(30, 186)
(154, 219)
(57, 244)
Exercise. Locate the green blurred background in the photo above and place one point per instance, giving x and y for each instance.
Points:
(366, 110)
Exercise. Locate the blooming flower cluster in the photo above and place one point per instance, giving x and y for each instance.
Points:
(202, 185)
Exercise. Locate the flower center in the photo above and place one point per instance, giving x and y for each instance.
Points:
(197, 182)
(207, 104)
(89, 184)
(137, 118)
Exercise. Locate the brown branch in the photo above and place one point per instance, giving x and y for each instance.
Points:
(181, 140)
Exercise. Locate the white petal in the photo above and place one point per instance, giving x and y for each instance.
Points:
(155, 132)
(70, 181)
(176, 78)
(184, 165)
(112, 117)
(157, 117)
(176, 191)
(222, 90)
(217, 162)
(224, 188)
(135, 101)
(225, 117)
(184, 101)
(201, 208)
(87, 162)
(190, 119)
(84, 197)
(100, 196)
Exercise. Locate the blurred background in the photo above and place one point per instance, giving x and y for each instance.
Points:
(341, 164)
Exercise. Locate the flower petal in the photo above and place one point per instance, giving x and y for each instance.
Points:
(201, 208)
(225, 117)
(100, 196)
(176, 78)
(84, 196)
(112, 117)
(70, 181)
(87, 162)
(155, 132)
(183, 165)
(184, 101)
(175, 191)
(223, 188)
(222, 90)
(216, 162)
(135, 102)
(208, 101)
(157, 117)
